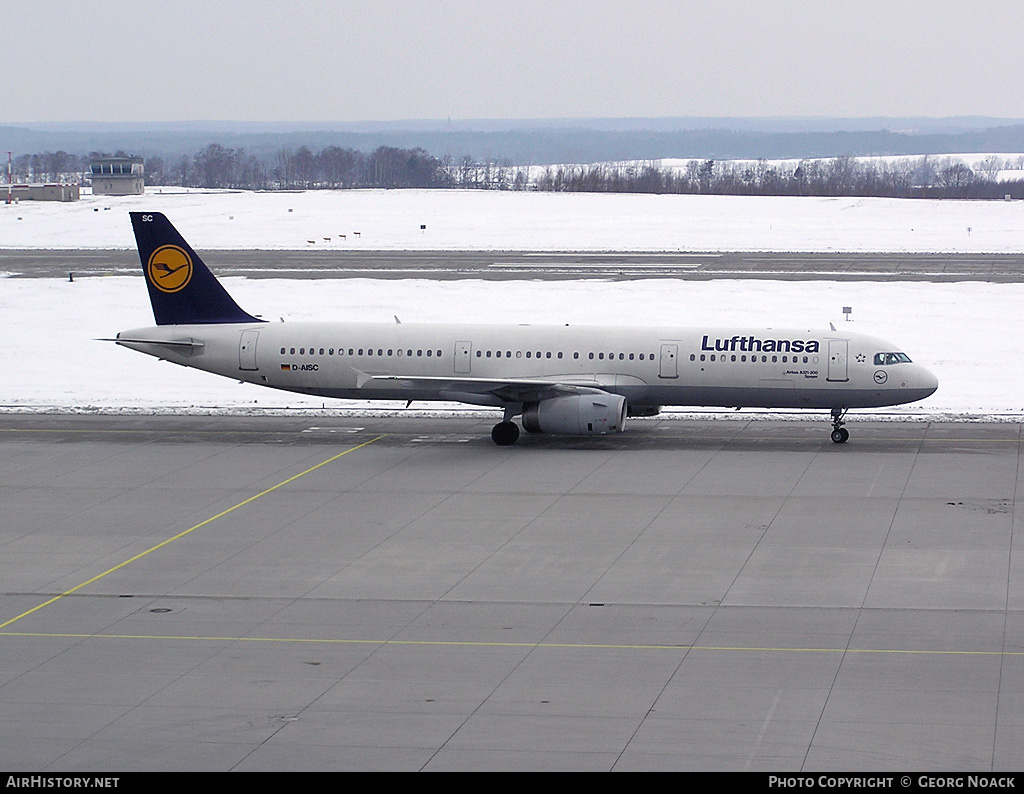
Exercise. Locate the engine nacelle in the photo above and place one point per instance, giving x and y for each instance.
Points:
(583, 415)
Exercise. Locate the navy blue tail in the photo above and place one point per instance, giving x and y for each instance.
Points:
(182, 289)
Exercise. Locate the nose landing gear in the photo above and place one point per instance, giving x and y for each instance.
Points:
(840, 435)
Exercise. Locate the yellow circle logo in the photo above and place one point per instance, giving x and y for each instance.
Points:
(170, 268)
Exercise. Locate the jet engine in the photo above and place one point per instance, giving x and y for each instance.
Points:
(583, 415)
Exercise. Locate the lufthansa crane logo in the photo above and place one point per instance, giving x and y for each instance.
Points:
(169, 269)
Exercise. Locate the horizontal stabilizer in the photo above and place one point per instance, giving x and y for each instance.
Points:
(191, 344)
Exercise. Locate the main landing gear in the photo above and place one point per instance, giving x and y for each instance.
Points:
(840, 435)
(505, 433)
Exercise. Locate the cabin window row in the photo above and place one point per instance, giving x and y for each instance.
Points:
(359, 351)
(560, 354)
(754, 359)
(330, 351)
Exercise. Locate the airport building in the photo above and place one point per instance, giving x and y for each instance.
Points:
(118, 176)
(48, 192)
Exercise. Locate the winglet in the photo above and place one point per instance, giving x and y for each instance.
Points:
(182, 289)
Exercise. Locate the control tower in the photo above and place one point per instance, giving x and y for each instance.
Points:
(118, 176)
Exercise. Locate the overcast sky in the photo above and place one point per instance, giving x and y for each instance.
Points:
(317, 60)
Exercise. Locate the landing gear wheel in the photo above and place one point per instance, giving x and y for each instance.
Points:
(505, 433)
(840, 435)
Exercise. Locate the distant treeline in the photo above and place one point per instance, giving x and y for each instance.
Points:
(332, 168)
(335, 168)
(922, 177)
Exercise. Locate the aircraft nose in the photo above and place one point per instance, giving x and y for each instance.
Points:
(926, 380)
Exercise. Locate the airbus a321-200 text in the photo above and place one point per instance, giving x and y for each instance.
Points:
(562, 379)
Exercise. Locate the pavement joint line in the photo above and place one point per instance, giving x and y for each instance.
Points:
(180, 535)
(486, 644)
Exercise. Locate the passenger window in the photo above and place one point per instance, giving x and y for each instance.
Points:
(282, 351)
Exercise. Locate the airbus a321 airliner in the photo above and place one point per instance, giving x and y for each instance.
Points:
(574, 380)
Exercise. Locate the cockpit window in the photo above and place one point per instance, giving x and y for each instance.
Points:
(881, 359)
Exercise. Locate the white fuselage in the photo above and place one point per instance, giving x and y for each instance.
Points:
(771, 368)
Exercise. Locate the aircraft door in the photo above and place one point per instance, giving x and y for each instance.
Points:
(669, 367)
(247, 350)
(838, 352)
(463, 358)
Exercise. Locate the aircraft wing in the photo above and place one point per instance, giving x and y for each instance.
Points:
(505, 390)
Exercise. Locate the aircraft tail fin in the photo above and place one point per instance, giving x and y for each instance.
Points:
(182, 289)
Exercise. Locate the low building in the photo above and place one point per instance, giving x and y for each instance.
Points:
(52, 192)
(118, 176)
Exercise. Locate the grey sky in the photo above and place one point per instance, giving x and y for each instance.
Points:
(315, 60)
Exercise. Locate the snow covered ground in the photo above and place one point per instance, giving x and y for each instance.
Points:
(491, 220)
(968, 333)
